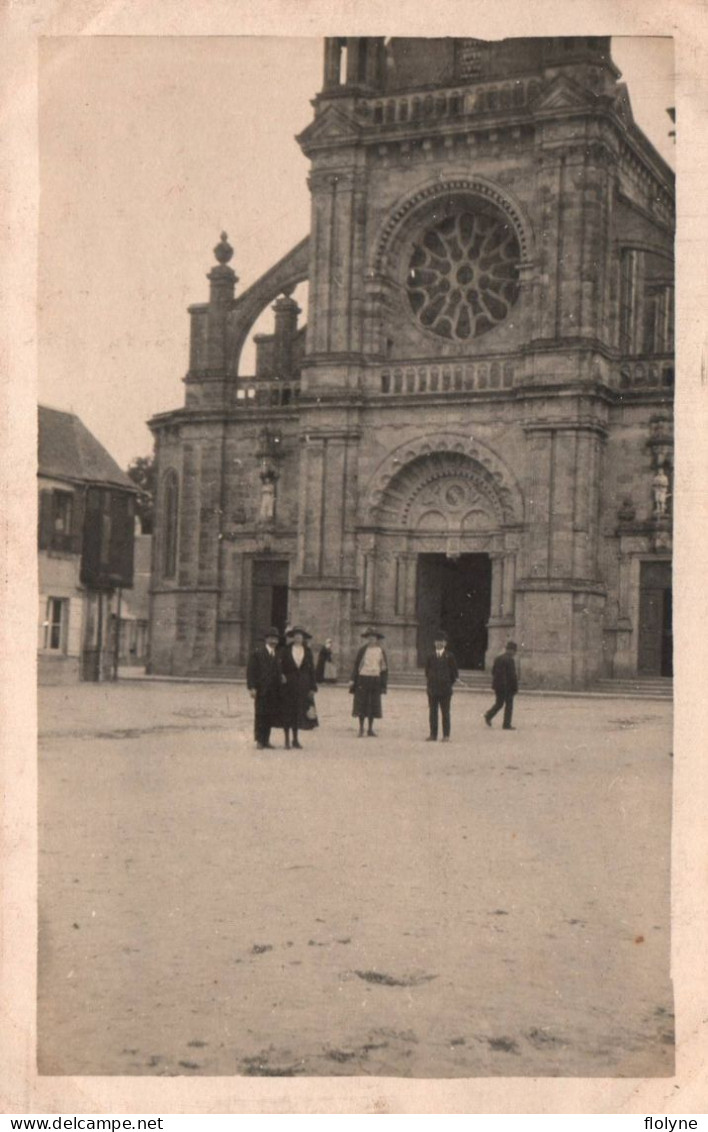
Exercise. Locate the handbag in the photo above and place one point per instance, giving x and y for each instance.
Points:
(311, 720)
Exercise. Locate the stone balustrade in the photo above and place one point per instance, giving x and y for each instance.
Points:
(647, 371)
(643, 372)
(455, 377)
(259, 394)
(449, 104)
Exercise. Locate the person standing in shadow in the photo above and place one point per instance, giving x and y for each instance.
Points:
(264, 680)
(299, 689)
(505, 684)
(440, 673)
(326, 670)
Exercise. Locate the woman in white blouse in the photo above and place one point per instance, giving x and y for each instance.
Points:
(369, 681)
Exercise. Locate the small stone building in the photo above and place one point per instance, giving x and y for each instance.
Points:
(474, 429)
(85, 538)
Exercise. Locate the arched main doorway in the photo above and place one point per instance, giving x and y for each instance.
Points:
(444, 551)
(454, 594)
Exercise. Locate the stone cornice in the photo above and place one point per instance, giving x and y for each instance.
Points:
(570, 424)
(560, 585)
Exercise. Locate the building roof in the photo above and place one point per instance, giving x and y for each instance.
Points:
(67, 450)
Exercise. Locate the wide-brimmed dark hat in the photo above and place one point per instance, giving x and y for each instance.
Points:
(369, 632)
(440, 635)
(299, 629)
(272, 632)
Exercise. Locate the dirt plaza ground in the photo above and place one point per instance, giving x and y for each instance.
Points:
(498, 905)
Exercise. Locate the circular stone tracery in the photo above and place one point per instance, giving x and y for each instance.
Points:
(463, 274)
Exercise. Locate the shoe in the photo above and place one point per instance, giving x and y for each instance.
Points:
(487, 720)
(360, 735)
(431, 739)
(370, 734)
(259, 746)
(269, 746)
(297, 746)
(446, 738)
(508, 727)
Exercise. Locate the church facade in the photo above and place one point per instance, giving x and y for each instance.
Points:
(475, 427)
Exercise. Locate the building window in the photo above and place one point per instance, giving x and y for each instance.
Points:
(171, 513)
(62, 512)
(463, 275)
(59, 520)
(55, 625)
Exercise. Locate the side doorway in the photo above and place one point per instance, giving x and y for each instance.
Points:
(655, 650)
(269, 596)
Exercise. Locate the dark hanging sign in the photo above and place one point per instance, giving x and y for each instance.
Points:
(108, 542)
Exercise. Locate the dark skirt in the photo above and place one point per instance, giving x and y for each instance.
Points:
(367, 698)
(297, 700)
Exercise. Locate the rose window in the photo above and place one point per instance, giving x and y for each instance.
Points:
(463, 274)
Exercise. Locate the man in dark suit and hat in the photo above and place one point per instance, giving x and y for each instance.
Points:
(505, 684)
(440, 673)
(264, 679)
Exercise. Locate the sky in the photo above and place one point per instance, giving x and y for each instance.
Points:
(149, 148)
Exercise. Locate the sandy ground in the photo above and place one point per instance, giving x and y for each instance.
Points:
(498, 905)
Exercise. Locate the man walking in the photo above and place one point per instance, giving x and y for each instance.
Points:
(441, 673)
(264, 679)
(505, 685)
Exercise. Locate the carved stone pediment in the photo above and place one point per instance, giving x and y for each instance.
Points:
(562, 94)
(330, 128)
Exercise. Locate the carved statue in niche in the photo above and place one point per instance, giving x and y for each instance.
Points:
(660, 493)
(266, 513)
(270, 453)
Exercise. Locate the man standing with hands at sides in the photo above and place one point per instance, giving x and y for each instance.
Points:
(505, 684)
(264, 679)
(441, 673)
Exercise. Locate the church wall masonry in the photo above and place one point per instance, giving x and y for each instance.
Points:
(483, 392)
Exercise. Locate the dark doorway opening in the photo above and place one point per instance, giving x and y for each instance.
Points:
(655, 653)
(269, 599)
(454, 594)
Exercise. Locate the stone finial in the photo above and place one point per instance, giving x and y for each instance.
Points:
(223, 250)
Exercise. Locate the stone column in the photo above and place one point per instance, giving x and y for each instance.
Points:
(333, 52)
(497, 585)
(337, 256)
(312, 499)
(286, 315)
(508, 585)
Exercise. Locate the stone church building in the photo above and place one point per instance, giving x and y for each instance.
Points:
(475, 427)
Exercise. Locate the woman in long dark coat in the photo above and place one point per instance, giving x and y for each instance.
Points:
(325, 670)
(298, 694)
(369, 681)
